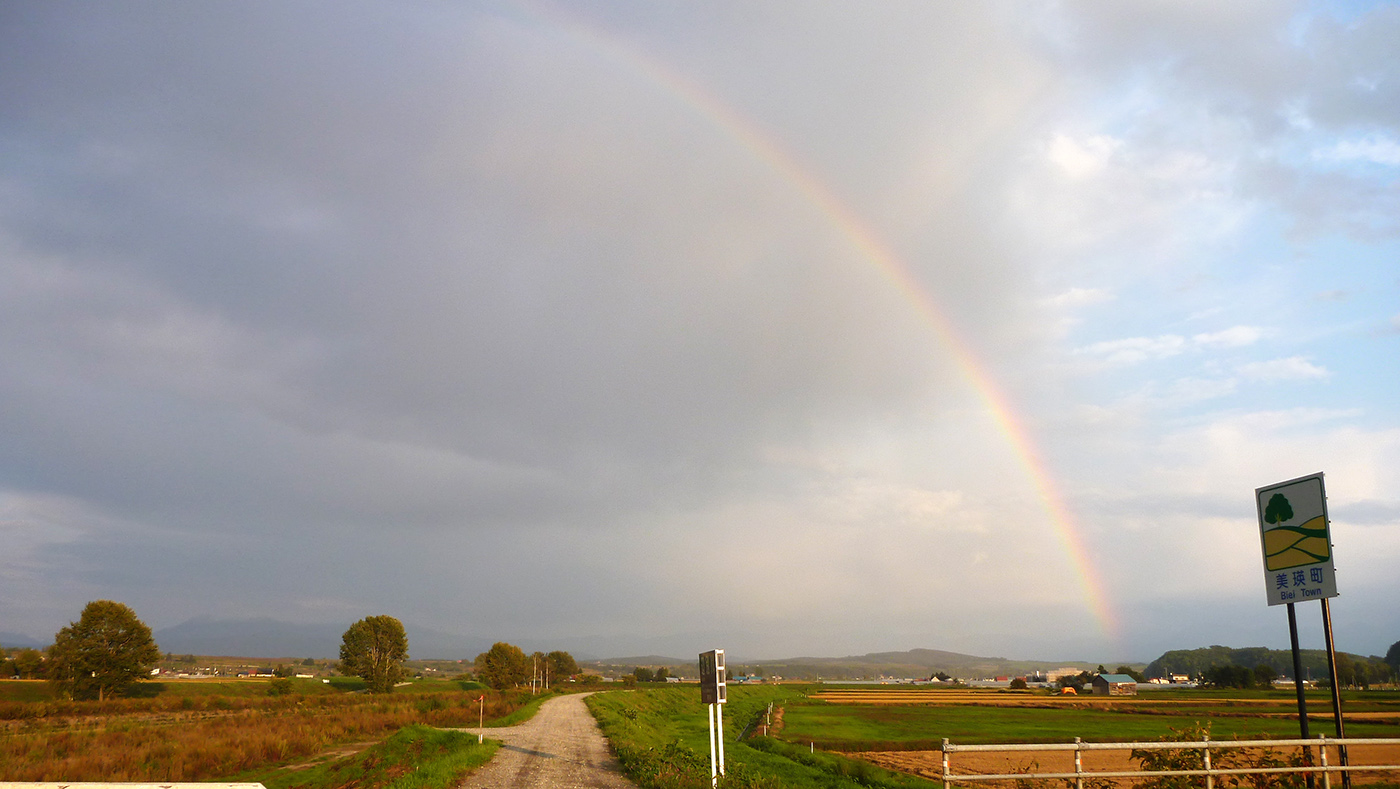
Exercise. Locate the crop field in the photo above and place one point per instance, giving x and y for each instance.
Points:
(200, 730)
(902, 728)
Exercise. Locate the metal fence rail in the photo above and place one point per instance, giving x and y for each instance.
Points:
(1205, 746)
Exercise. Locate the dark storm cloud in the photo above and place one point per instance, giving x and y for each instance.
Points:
(372, 261)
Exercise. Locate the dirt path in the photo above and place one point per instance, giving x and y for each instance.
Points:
(560, 747)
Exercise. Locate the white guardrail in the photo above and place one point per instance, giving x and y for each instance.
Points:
(1205, 746)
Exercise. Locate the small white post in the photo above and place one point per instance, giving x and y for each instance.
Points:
(719, 734)
(481, 719)
(1210, 778)
(1326, 774)
(714, 772)
(1078, 764)
(945, 763)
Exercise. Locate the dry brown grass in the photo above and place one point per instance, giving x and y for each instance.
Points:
(154, 740)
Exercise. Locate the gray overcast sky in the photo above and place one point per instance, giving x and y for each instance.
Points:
(792, 328)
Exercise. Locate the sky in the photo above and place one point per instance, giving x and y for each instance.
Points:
(785, 328)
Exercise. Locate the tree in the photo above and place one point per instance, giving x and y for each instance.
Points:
(561, 665)
(503, 666)
(374, 650)
(1264, 675)
(102, 653)
(1278, 510)
(29, 664)
(642, 674)
(1018, 683)
(1130, 671)
(1346, 671)
(660, 675)
(1392, 658)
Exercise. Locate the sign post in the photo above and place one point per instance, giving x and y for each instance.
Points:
(1296, 539)
(714, 694)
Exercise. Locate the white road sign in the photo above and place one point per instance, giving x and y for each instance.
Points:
(1296, 541)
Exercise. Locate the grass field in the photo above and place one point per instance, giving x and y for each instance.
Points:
(660, 735)
(884, 727)
(415, 757)
(198, 730)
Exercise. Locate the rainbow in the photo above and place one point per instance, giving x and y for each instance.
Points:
(873, 249)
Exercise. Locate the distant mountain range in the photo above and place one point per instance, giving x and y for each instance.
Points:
(272, 638)
(9, 640)
(913, 663)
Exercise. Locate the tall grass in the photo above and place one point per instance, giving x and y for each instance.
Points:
(416, 757)
(157, 740)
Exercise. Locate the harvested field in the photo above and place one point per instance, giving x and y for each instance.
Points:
(929, 764)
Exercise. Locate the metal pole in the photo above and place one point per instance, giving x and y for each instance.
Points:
(1298, 686)
(1336, 691)
(719, 735)
(714, 772)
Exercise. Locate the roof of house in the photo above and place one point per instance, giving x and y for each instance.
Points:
(1114, 679)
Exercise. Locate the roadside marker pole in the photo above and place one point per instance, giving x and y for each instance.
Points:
(1336, 691)
(719, 736)
(714, 773)
(1302, 698)
(712, 695)
(481, 719)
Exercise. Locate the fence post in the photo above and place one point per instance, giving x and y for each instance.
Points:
(945, 763)
(1078, 764)
(1210, 779)
(1326, 774)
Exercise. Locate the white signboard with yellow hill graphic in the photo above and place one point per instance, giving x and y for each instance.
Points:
(1297, 541)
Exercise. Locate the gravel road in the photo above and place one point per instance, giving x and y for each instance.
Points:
(560, 747)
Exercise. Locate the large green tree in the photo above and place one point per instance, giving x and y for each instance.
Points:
(503, 666)
(1392, 658)
(29, 664)
(561, 666)
(102, 653)
(374, 650)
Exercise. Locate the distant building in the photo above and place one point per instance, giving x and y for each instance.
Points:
(1114, 685)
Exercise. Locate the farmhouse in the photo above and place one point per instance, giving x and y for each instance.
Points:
(1114, 685)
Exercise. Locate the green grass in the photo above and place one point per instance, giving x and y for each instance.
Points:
(26, 690)
(524, 713)
(661, 737)
(860, 727)
(416, 757)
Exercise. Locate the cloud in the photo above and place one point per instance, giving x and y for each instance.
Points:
(467, 295)
(1082, 158)
(1373, 149)
(1293, 368)
(1079, 297)
(1233, 337)
(1132, 350)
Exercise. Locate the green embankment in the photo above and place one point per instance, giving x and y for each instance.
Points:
(416, 757)
(661, 738)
